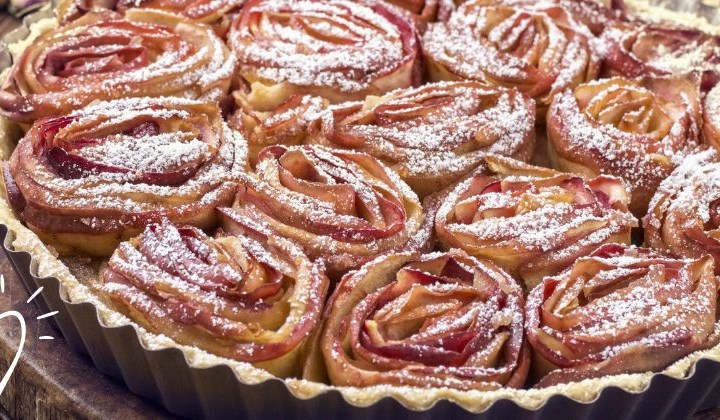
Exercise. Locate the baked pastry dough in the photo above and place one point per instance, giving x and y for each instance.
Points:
(431, 135)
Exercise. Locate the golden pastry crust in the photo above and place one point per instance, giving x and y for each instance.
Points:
(711, 118)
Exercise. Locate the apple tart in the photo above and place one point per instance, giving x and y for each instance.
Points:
(352, 198)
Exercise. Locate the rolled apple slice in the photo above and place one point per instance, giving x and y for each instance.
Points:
(434, 134)
(540, 49)
(106, 56)
(637, 129)
(684, 214)
(216, 13)
(621, 310)
(245, 294)
(339, 50)
(436, 320)
(342, 206)
(86, 181)
(532, 221)
(640, 50)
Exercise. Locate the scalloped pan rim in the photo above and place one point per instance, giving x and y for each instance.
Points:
(122, 349)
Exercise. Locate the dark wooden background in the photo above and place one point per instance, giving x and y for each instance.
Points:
(51, 381)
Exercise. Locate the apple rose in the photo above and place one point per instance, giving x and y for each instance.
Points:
(339, 50)
(684, 215)
(435, 320)
(596, 15)
(660, 49)
(246, 294)
(342, 206)
(532, 221)
(86, 181)
(538, 48)
(620, 310)
(104, 56)
(637, 129)
(217, 13)
(434, 134)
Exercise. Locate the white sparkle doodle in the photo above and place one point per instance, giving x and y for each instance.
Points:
(23, 330)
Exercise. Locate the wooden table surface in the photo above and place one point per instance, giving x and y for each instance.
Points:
(52, 381)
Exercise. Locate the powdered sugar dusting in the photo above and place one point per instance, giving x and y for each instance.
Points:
(478, 42)
(692, 187)
(337, 44)
(217, 158)
(632, 298)
(461, 122)
(637, 157)
(175, 280)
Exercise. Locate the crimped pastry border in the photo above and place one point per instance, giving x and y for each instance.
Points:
(47, 267)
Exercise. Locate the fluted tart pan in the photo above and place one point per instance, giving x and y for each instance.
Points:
(190, 382)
